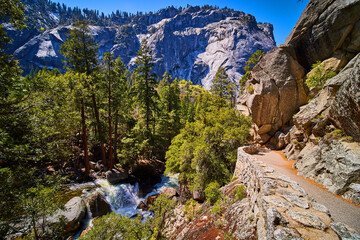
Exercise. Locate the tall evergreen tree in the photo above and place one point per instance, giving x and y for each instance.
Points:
(145, 93)
(108, 63)
(80, 52)
(11, 84)
(250, 63)
(168, 124)
(223, 88)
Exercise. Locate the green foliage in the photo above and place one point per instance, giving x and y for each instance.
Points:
(168, 123)
(228, 236)
(250, 89)
(112, 226)
(145, 98)
(80, 50)
(206, 148)
(317, 76)
(250, 63)
(240, 192)
(27, 201)
(216, 209)
(223, 88)
(161, 208)
(212, 192)
(336, 134)
(190, 208)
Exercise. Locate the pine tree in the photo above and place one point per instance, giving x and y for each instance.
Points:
(168, 124)
(80, 52)
(250, 63)
(223, 88)
(145, 93)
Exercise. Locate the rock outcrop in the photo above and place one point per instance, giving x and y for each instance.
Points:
(115, 176)
(326, 29)
(321, 135)
(326, 145)
(190, 44)
(73, 213)
(97, 205)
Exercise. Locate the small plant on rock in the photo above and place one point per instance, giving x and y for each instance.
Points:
(250, 89)
(317, 76)
(212, 192)
(240, 192)
(190, 209)
(217, 208)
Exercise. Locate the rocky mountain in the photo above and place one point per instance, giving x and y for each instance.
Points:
(320, 132)
(188, 43)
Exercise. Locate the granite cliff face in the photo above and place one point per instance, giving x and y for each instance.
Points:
(326, 29)
(190, 44)
(322, 135)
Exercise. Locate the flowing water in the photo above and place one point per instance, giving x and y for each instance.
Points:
(124, 197)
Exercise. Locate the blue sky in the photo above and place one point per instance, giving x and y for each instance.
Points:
(283, 14)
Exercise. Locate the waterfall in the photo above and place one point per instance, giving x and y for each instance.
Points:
(124, 198)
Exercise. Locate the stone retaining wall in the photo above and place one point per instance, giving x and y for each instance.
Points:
(281, 207)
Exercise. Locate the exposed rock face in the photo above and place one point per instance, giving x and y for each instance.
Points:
(322, 153)
(98, 205)
(276, 79)
(74, 212)
(326, 29)
(115, 176)
(190, 44)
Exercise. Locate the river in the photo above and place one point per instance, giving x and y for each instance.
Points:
(124, 197)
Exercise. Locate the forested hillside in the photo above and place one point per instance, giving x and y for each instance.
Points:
(57, 128)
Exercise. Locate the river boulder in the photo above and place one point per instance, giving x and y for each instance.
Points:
(73, 212)
(115, 176)
(98, 205)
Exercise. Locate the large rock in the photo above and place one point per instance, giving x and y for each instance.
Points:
(334, 164)
(98, 205)
(286, 234)
(73, 213)
(198, 195)
(344, 232)
(169, 192)
(328, 157)
(277, 78)
(326, 27)
(327, 30)
(115, 176)
(307, 219)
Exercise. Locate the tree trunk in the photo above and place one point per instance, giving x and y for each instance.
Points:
(116, 136)
(111, 162)
(97, 116)
(84, 137)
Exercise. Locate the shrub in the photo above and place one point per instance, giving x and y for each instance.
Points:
(250, 89)
(212, 192)
(220, 223)
(190, 208)
(240, 192)
(217, 208)
(317, 76)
